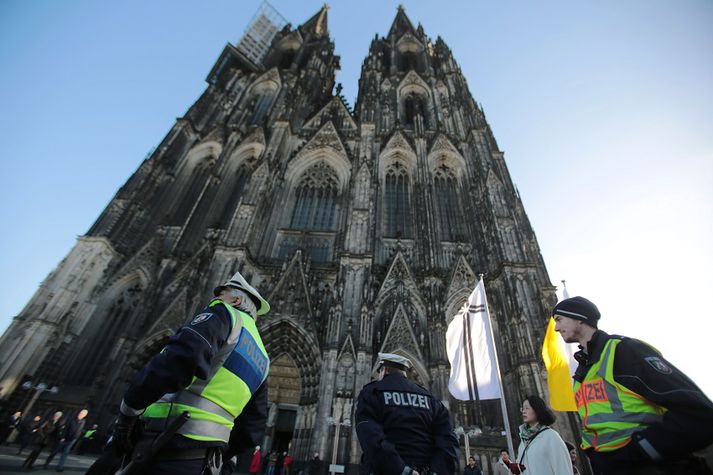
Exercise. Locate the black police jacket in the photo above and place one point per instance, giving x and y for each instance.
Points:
(400, 424)
(687, 424)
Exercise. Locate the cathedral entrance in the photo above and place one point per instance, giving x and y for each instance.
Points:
(284, 429)
(283, 398)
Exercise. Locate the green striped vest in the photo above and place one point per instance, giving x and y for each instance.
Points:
(610, 412)
(237, 371)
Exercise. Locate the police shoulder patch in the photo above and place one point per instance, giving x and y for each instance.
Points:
(659, 365)
(201, 318)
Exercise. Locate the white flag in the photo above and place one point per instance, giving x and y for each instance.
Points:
(565, 294)
(569, 348)
(470, 350)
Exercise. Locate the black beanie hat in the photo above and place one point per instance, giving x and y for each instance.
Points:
(578, 308)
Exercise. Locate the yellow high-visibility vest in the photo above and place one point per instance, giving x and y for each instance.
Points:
(610, 412)
(238, 370)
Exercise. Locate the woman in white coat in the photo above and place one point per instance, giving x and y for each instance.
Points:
(542, 451)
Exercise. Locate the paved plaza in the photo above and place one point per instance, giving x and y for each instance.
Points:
(11, 463)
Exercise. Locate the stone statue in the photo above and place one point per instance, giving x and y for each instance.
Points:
(272, 415)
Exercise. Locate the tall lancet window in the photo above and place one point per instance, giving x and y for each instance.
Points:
(316, 199)
(397, 202)
(260, 106)
(450, 216)
(236, 184)
(414, 111)
(190, 183)
(409, 61)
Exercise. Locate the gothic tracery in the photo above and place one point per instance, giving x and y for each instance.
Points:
(364, 226)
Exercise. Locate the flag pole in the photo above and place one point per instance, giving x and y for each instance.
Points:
(503, 406)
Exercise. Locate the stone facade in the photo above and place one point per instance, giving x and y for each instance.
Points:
(366, 229)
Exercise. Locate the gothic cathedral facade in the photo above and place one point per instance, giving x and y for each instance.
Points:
(366, 230)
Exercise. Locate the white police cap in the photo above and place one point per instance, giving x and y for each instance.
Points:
(394, 360)
(239, 282)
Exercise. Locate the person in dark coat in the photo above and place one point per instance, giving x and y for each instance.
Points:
(472, 468)
(640, 414)
(315, 465)
(215, 368)
(11, 424)
(280, 461)
(46, 434)
(88, 441)
(401, 427)
(73, 431)
(26, 429)
(271, 463)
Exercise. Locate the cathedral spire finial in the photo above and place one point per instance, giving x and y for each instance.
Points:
(401, 23)
(317, 24)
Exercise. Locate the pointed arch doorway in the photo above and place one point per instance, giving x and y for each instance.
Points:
(284, 388)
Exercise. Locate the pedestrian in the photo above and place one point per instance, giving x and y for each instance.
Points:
(472, 468)
(87, 441)
(542, 450)
(271, 462)
(638, 411)
(504, 465)
(11, 424)
(26, 429)
(215, 367)
(72, 432)
(280, 462)
(109, 461)
(315, 465)
(401, 427)
(255, 461)
(46, 434)
(286, 462)
(572, 456)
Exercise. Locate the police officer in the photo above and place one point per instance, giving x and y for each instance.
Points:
(215, 367)
(402, 428)
(640, 414)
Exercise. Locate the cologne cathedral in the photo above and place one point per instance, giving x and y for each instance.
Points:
(365, 229)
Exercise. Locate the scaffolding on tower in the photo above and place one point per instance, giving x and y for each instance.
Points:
(258, 36)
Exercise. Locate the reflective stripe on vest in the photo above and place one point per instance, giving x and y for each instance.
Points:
(610, 412)
(237, 371)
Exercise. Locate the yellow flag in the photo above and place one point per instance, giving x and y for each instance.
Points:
(559, 380)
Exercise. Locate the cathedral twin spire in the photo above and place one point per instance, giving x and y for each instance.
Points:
(317, 24)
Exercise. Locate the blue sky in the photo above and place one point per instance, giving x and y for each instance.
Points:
(604, 110)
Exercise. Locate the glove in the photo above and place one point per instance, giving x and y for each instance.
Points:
(123, 434)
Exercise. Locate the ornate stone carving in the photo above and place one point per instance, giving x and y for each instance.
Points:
(334, 106)
(328, 138)
(397, 142)
(400, 335)
(442, 144)
(412, 79)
